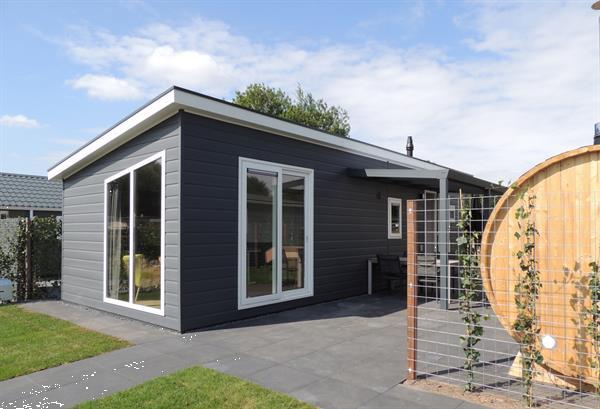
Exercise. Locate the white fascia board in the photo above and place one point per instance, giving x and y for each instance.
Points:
(215, 109)
(177, 98)
(137, 123)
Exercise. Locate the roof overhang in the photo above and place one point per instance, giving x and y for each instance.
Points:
(430, 179)
(176, 99)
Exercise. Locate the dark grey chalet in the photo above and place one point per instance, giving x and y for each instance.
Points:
(193, 211)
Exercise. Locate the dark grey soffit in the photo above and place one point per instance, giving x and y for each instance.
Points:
(430, 178)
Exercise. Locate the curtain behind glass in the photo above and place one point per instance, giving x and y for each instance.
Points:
(118, 239)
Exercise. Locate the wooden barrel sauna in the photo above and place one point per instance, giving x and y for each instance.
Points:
(567, 215)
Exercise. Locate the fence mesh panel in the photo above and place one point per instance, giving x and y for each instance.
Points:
(565, 239)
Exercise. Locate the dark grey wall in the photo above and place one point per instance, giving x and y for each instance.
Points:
(83, 213)
(350, 220)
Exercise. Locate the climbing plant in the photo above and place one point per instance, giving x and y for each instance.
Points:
(592, 321)
(44, 237)
(527, 290)
(468, 243)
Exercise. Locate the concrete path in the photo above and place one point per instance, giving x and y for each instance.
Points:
(347, 354)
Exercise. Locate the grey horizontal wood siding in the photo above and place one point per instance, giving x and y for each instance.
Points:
(350, 218)
(83, 215)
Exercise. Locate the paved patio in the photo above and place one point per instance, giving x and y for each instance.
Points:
(345, 354)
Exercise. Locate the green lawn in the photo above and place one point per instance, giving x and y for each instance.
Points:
(30, 342)
(197, 387)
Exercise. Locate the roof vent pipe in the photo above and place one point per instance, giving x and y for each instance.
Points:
(597, 134)
(409, 146)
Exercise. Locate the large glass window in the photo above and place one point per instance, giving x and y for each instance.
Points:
(275, 232)
(134, 236)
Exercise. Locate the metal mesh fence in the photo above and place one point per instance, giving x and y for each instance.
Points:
(495, 282)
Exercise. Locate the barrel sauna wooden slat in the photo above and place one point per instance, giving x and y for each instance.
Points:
(567, 216)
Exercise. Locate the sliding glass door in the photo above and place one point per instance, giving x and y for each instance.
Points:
(275, 233)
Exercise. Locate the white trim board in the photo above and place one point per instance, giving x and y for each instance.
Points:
(175, 99)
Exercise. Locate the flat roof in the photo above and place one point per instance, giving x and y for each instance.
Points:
(176, 98)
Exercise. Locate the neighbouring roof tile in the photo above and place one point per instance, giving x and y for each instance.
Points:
(29, 192)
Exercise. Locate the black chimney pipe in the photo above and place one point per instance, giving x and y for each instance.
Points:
(410, 147)
(597, 134)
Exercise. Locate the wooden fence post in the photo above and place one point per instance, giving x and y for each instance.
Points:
(411, 289)
(28, 270)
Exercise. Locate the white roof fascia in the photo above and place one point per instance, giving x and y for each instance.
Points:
(178, 98)
(131, 127)
(209, 107)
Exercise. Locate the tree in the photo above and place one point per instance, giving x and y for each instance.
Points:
(304, 109)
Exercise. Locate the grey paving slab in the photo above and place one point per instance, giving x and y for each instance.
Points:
(390, 402)
(334, 394)
(376, 374)
(280, 352)
(323, 363)
(240, 364)
(283, 378)
(420, 397)
(341, 355)
(16, 387)
(72, 394)
(199, 353)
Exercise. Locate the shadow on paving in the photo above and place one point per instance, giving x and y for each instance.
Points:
(345, 354)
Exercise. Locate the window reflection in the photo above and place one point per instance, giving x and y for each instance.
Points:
(147, 241)
(261, 231)
(293, 232)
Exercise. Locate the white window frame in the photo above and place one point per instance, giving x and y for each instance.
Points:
(130, 170)
(280, 295)
(391, 202)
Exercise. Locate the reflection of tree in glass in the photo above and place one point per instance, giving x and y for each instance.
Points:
(258, 187)
(148, 238)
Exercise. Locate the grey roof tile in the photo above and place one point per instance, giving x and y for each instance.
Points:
(29, 192)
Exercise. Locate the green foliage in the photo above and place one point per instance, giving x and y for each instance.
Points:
(469, 257)
(304, 109)
(45, 234)
(32, 342)
(148, 238)
(527, 290)
(592, 320)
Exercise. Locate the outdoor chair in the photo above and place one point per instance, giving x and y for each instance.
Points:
(427, 274)
(391, 269)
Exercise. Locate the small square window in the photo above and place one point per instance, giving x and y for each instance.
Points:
(394, 218)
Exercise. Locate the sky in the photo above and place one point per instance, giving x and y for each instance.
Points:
(490, 88)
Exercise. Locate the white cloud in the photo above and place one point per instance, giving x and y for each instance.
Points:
(107, 87)
(524, 93)
(18, 121)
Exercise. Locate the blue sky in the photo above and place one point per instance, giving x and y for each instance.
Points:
(473, 82)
